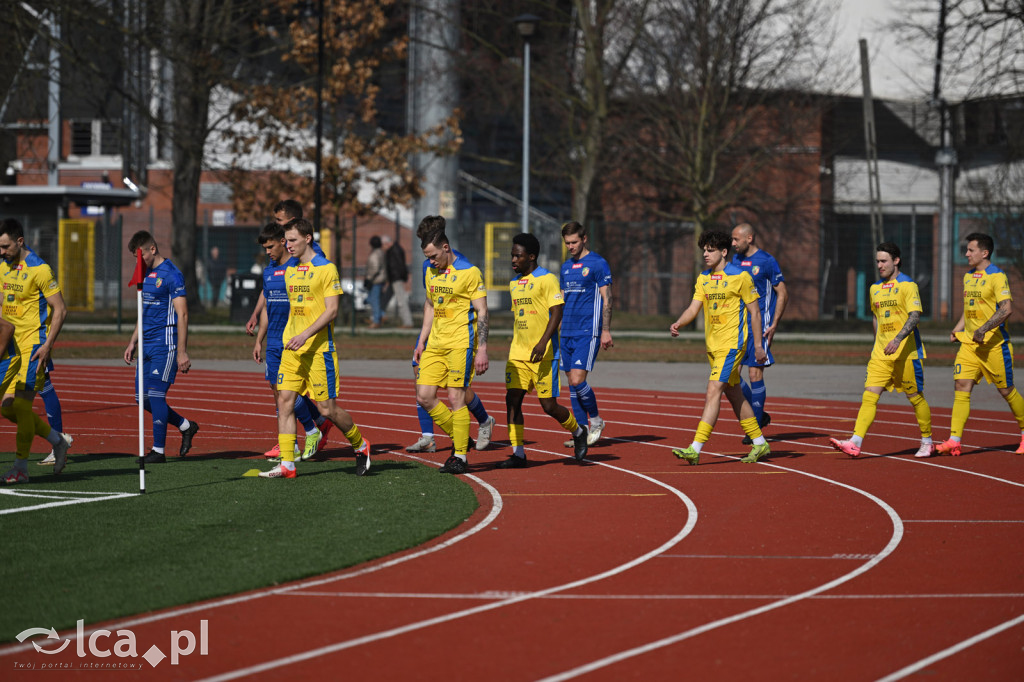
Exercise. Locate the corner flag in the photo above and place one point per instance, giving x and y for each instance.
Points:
(136, 281)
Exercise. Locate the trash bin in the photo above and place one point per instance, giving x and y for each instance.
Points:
(245, 291)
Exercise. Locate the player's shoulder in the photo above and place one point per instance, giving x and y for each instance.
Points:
(905, 278)
(32, 260)
(461, 262)
(734, 270)
(994, 269)
(320, 261)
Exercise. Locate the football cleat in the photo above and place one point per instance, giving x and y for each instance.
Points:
(60, 452)
(14, 475)
(363, 458)
(845, 446)
(454, 465)
(279, 472)
(186, 438)
(424, 444)
(596, 427)
(926, 450)
(512, 462)
(580, 444)
(312, 445)
(483, 434)
(950, 447)
(756, 453)
(689, 454)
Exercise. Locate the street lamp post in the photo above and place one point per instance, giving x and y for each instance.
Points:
(527, 26)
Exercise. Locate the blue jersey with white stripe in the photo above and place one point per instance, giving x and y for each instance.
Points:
(160, 287)
(767, 275)
(581, 281)
(276, 294)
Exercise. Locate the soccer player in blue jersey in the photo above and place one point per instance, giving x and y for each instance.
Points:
(272, 322)
(586, 282)
(726, 295)
(34, 305)
(164, 344)
(533, 356)
(771, 290)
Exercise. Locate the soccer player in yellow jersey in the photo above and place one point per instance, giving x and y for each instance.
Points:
(35, 306)
(895, 362)
(726, 293)
(985, 348)
(309, 360)
(453, 340)
(533, 357)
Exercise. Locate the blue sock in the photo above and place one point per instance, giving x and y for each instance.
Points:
(746, 392)
(302, 413)
(478, 409)
(758, 394)
(577, 409)
(156, 404)
(426, 421)
(314, 411)
(52, 405)
(588, 401)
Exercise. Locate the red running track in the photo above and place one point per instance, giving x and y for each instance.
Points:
(809, 565)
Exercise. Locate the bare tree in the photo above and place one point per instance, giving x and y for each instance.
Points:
(365, 167)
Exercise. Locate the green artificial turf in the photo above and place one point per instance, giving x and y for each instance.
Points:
(203, 531)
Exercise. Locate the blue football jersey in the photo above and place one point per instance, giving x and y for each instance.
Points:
(765, 272)
(581, 281)
(160, 287)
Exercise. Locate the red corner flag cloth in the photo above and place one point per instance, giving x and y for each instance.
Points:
(140, 270)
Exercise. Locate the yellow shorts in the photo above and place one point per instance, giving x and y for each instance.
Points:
(897, 374)
(315, 372)
(10, 367)
(725, 365)
(31, 373)
(529, 375)
(446, 368)
(993, 361)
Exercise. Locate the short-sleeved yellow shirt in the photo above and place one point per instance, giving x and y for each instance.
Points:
(984, 290)
(892, 302)
(309, 285)
(452, 291)
(533, 297)
(25, 288)
(724, 295)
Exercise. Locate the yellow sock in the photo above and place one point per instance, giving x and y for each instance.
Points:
(355, 437)
(1016, 403)
(26, 427)
(961, 411)
(286, 441)
(703, 432)
(751, 428)
(442, 416)
(515, 434)
(460, 430)
(923, 413)
(570, 424)
(866, 413)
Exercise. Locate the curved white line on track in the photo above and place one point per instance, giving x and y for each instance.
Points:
(894, 540)
(496, 508)
(691, 521)
(955, 649)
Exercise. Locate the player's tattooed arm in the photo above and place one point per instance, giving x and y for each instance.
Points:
(913, 317)
(483, 327)
(1003, 310)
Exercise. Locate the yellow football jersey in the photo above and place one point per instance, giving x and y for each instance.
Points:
(892, 302)
(533, 297)
(26, 287)
(983, 291)
(309, 284)
(452, 291)
(725, 294)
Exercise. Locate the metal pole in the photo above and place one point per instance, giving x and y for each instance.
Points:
(317, 200)
(525, 222)
(945, 159)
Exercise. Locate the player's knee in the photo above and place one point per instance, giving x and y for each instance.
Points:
(7, 410)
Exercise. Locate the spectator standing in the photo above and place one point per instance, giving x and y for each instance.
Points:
(376, 278)
(216, 271)
(398, 275)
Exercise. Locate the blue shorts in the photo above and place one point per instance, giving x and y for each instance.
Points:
(273, 362)
(579, 352)
(750, 361)
(161, 364)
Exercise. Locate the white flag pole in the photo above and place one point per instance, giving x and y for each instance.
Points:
(142, 378)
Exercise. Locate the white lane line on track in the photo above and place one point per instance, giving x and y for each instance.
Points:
(496, 508)
(691, 520)
(491, 596)
(890, 547)
(955, 649)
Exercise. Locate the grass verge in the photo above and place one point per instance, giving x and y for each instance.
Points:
(203, 531)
